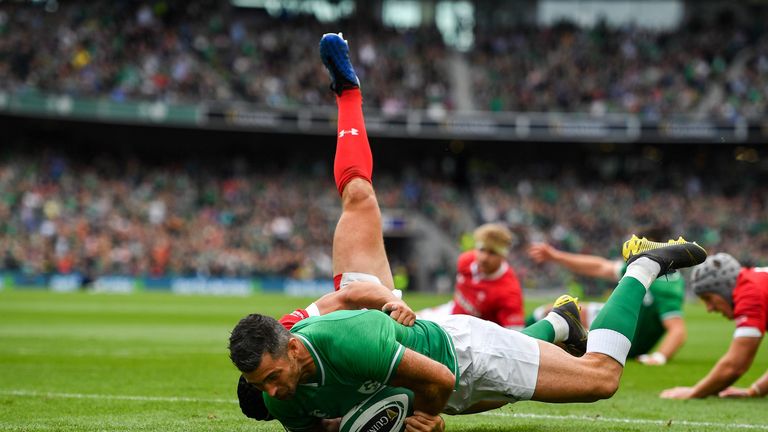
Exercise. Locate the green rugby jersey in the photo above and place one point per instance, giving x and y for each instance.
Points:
(663, 300)
(356, 352)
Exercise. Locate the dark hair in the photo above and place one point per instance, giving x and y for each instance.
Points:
(252, 337)
(252, 401)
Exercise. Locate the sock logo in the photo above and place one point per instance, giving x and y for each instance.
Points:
(352, 131)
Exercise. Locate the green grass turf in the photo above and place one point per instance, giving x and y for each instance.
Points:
(158, 362)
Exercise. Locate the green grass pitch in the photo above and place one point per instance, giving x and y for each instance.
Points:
(158, 362)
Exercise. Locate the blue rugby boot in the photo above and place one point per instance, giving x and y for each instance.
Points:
(334, 51)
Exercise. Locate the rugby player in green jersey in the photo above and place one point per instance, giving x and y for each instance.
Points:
(661, 316)
(326, 365)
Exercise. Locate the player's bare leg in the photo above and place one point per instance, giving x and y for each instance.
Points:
(358, 242)
(596, 375)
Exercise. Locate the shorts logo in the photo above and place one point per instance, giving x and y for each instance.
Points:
(369, 387)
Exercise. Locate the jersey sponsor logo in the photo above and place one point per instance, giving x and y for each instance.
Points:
(352, 131)
(384, 411)
(384, 420)
(369, 387)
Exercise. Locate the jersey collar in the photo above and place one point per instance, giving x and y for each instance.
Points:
(476, 274)
(320, 374)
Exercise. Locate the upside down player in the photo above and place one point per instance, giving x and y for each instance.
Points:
(326, 364)
(486, 285)
(363, 276)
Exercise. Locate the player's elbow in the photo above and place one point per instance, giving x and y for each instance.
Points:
(446, 382)
(734, 370)
(441, 386)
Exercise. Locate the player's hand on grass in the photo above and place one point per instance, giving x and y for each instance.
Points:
(735, 392)
(423, 422)
(400, 312)
(540, 252)
(677, 393)
(655, 359)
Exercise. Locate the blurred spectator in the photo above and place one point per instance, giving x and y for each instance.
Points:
(206, 50)
(109, 216)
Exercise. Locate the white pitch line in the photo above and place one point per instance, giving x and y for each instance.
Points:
(114, 397)
(634, 421)
(670, 422)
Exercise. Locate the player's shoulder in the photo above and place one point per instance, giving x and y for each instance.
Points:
(753, 275)
(341, 319)
(465, 259)
(751, 283)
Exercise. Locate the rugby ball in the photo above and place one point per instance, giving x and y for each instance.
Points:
(384, 411)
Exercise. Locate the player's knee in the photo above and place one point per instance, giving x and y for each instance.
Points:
(358, 194)
(606, 388)
(602, 380)
(602, 384)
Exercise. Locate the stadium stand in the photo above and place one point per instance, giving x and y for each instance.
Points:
(61, 212)
(178, 51)
(234, 217)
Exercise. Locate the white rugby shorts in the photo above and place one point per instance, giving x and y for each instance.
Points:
(436, 312)
(495, 364)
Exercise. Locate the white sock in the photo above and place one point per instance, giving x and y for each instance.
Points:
(644, 269)
(609, 342)
(560, 325)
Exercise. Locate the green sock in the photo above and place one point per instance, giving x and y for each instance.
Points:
(621, 311)
(541, 330)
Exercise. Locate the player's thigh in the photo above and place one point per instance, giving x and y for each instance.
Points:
(564, 378)
(358, 242)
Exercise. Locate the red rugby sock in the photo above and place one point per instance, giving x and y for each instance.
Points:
(353, 153)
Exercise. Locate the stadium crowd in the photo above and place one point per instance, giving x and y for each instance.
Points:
(603, 70)
(107, 216)
(130, 217)
(204, 50)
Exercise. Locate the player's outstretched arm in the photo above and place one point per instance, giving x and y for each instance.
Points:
(369, 295)
(728, 369)
(673, 340)
(585, 265)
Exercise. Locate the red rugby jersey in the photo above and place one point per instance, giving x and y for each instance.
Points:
(497, 297)
(750, 302)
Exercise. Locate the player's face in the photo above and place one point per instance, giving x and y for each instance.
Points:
(277, 376)
(488, 261)
(716, 303)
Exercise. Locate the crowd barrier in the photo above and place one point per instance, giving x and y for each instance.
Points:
(121, 284)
